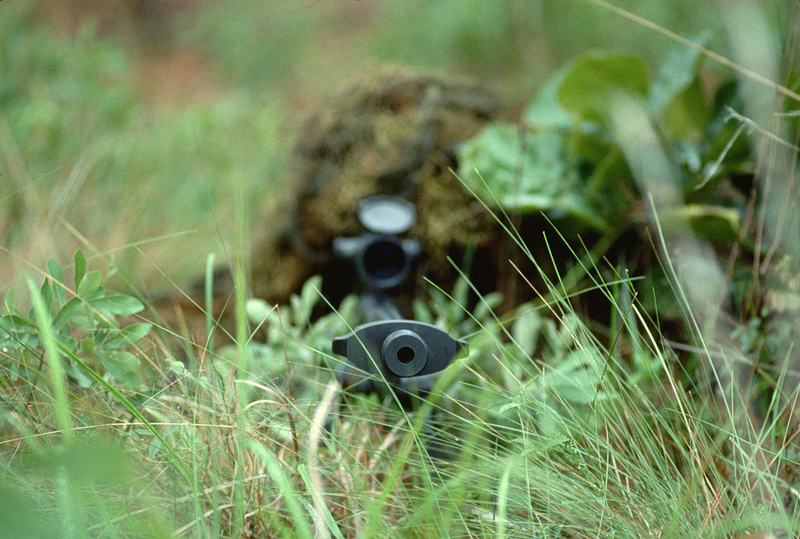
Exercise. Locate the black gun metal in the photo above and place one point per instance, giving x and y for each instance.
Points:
(397, 349)
(393, 354)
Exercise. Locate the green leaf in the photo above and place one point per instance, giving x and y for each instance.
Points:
(125, 360)
(716, 224)
(67, 342)
(126, 336)
(121, 365)
(47, 294)
(687, 115)
(491, 301)
(573, 380)
(572, 204)
(595, 81)
(80, 267)
(258, 310)
(509, 406)
(303, 304)
(527, 173)
(87, 345)
(546, 111)
(55, 270)
(90, 282)
(677, 73)
(309, 296)
(15, 320)
(117, 304)
(525, 330)
(82, 322)
(58, 275)
(9, 299)
(495, 154)
(422, 313)
(66, 313)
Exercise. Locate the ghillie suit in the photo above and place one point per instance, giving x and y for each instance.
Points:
(394, 132)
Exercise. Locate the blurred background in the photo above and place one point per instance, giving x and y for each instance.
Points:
(127, 127)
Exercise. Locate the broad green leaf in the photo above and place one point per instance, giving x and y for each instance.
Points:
(509, 406)
(677, 73)
(79, 375)
(66, 313)
(121, 365)
(546, 111)
(154, 448)
(310, 292)
(716, 224)
(422, 313)
(687, 114)
(595, 81)
(16, 322)
(87, 345)
(525, 330)
(58, 275)
(495, 154)
(67, 342)
(81, 322)
(303, 305)
(572, 204)
(573, 380)
(90, 282)
(80, 267)
(46, 292)
(258, 310)
(490, 301)
(136, 332)
(527, 173)
(55, 270)
(126, 336)
(125, 360)
(117, 304)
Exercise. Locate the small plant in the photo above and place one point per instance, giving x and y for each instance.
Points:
(566, 159)
(85, 323)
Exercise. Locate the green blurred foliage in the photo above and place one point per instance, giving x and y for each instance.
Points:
(81, 143)
(443, 33)
(72, 490)
(84, 147)
(564, 160)
(259, 44)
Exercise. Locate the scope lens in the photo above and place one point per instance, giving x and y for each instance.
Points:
(384, 260)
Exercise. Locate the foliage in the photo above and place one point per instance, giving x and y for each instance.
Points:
(559, 425)
(294, 343)
(77, 127)
(84, 322)
(575, 159)
(565, 159)
(233, 34)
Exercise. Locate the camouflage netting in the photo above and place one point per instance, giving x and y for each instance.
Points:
(394, 133)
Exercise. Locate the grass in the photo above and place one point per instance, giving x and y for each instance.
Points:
(556, 427)
(586, 444)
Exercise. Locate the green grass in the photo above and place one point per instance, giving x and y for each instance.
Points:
(114, 425)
